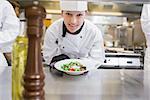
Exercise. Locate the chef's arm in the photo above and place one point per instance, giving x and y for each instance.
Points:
(9, 29)
(7, 37)
(145, 18)
(9, 24)
(50, 47)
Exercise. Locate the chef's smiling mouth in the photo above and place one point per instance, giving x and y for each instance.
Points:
(73, 25)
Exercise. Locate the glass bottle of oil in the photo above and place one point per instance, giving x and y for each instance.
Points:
(19, 57)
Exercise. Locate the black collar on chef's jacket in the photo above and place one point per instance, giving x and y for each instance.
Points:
(66, 30)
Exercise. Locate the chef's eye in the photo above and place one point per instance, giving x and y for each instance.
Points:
(80, 15)
(68, 14)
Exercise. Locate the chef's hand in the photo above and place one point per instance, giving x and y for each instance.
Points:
(54, 60)
(58, 58)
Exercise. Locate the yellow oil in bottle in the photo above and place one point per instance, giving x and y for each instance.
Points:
(19, 59)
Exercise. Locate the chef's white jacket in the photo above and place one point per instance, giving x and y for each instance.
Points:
(88, 44)
(145, 22)
(9, 29)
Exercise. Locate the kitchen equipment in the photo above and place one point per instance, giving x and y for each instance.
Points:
(122, 60)
(33, 74)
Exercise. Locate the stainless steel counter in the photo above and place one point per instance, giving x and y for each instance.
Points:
(101, 84)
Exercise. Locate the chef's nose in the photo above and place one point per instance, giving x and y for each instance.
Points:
(73, 19)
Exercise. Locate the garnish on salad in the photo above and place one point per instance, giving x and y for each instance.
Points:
(73, 66)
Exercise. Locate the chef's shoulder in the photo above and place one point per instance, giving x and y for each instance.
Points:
(56, 27)
(5, 3)
(6, 6)
(146, 5)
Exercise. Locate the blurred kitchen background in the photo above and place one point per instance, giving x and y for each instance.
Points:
(119, 21)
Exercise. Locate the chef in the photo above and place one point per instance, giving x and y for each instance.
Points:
(73, 36)
(9, 29)
(145, 22)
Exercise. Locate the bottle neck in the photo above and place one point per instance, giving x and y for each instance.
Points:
(23, 27)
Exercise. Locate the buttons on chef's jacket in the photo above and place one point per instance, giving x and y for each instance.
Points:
(56, 41)
(81, 37)
(62, 46)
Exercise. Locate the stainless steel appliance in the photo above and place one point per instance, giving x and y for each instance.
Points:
(122, 60)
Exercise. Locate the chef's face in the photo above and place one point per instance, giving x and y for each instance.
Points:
(73, 19)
